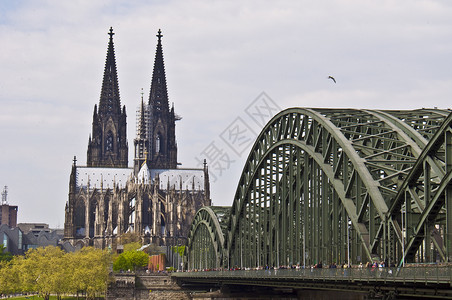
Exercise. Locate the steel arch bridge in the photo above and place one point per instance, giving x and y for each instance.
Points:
(336, 185)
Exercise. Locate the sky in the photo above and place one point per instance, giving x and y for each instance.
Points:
(230, 66)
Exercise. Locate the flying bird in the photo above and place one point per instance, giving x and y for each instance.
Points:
(332, 78)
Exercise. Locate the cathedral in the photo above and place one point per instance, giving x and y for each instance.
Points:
(154, 199)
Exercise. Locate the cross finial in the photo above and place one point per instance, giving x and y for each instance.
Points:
(111, 33)
(75, 160)
(159, 35)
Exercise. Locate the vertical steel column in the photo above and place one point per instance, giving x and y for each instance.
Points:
(265, 217)
(448, 195)
(283, 206)
(325, 237)
(298, 205)
(427, 197)
(306, 221)
(272, 211)
(291, 189)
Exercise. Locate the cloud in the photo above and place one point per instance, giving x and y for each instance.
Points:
(219, 57)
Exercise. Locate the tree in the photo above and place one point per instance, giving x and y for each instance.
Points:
(4, 256)
(89, 271)
(179, 250)
(43, 271)
(132, 246)
(51, 271)
(9, 276)
(130, 260)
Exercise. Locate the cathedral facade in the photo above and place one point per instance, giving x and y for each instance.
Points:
(154, 199)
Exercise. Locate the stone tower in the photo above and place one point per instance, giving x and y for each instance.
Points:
(107, 146)
(156, 129)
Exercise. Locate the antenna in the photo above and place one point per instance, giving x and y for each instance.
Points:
(5, 195)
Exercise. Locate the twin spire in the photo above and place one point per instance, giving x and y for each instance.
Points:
(108, 146)
(158, 96)
(110, 102)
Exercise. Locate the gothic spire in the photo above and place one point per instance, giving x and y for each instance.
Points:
(158, 97)
(108, 146)
(142, 123)
(110, 102)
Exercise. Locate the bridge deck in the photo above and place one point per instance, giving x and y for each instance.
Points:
(416, 281)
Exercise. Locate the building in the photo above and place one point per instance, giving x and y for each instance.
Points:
(18, 241)
(154, 199)
(37, 228)
(8, 213)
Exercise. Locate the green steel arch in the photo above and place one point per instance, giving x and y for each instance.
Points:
(337, 185)
(424, 201)
(206, 238)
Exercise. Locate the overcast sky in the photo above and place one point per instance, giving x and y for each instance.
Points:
(220, 57)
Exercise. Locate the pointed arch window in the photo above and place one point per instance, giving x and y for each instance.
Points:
(157, 144)
(109, 142)
(162, 226)
(79, 217)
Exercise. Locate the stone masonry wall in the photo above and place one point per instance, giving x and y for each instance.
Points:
(144, 287)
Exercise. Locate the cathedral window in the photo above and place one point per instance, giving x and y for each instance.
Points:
(162, 226)
(162, 208)
(157, 144)
(79, 218)
(109, 142)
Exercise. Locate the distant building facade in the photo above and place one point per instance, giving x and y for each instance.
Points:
(37, 228)
(154, 199)
(8, 213)
(17, 241)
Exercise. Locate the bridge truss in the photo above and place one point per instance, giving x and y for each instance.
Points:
(337, 185)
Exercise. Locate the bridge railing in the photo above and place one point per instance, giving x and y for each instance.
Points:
(435, 275)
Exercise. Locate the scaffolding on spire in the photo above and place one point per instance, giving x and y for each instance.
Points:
(5, 195)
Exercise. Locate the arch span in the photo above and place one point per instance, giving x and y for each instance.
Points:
(206, 238)
(325, 185)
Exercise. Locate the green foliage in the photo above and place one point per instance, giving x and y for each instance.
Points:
(130, 260)
(179, 250)
(43, 270)
(120, 263)
(9, 276)
(51, 271)
(90, 271)
(132, 246)
(4, 256)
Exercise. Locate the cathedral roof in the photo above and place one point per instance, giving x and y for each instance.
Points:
(107, 177)
(179, 179)
(192, 179)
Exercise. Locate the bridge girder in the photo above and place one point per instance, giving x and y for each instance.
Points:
(320, 185)
(207, 237)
